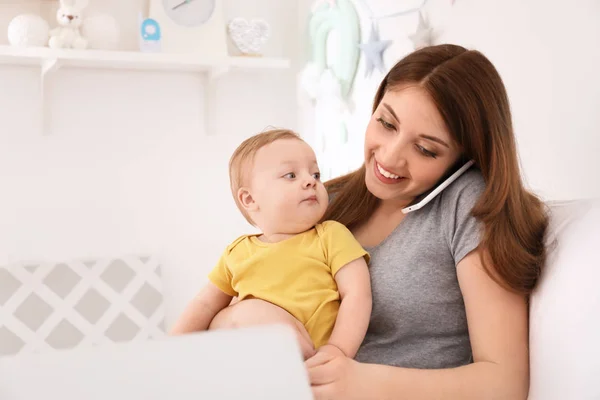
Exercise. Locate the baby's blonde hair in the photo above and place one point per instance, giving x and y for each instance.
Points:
(240, 163)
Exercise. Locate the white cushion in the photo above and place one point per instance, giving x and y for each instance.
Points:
(565, 308)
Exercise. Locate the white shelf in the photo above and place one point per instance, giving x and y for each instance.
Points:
(133, 60)
(49, 60)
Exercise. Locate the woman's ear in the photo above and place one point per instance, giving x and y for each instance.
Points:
(246, 200)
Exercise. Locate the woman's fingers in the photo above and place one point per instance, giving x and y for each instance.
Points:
(318, 359)
(321, 392)
(321, 375)
(320, 369)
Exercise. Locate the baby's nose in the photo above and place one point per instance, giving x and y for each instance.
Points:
(310, 182)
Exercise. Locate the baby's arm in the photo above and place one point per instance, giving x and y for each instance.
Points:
(201, 310)
(354, 285)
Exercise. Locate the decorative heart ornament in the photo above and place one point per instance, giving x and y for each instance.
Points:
(249, 36)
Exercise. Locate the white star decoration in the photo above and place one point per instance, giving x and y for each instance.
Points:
(424, 35)
(373, 50)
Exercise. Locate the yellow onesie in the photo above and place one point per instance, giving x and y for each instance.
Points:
(296, 274)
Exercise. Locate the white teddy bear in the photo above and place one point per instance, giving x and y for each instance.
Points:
(69, 17)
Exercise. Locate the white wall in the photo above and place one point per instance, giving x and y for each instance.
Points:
(549, 56)
(128, 167)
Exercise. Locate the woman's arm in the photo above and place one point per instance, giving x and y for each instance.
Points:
(201, 310)
(352, 321)
(498, 328)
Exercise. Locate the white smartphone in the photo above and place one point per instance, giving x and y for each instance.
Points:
(439, 188)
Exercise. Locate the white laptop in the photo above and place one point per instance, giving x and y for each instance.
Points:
(255, 363)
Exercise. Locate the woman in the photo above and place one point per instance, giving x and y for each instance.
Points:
(451, 280)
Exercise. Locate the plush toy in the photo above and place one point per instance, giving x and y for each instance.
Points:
(28, 30)
(69, 17)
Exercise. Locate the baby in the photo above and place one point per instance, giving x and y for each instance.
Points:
(316, 272)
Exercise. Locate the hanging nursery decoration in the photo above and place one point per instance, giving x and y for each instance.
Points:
(424, 35)
(330, 16)
(341, 16)
(373, 50)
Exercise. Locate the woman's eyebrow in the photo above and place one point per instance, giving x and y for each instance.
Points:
(391, 110)
(434, 139)
(428, 137)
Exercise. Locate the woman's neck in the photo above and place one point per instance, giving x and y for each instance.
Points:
(384, 220)
(392, 207)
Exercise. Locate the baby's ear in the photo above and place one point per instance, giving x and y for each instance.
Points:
(246, 200)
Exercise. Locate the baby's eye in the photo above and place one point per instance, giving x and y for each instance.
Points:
(317, 175)
(290, 175)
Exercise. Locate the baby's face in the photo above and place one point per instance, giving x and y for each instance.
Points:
(286, 187)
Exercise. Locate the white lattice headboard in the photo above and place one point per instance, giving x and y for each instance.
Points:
(52, 306)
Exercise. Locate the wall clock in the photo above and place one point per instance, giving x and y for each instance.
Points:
(189, 13)
(191, 26)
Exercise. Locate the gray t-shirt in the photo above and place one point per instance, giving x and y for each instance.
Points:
(418, 318)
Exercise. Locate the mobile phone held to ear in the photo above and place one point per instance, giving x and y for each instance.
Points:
(439, 188)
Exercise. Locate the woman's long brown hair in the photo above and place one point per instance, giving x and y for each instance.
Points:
(472, 100)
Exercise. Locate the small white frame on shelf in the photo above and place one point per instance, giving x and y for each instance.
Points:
(50, 60)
